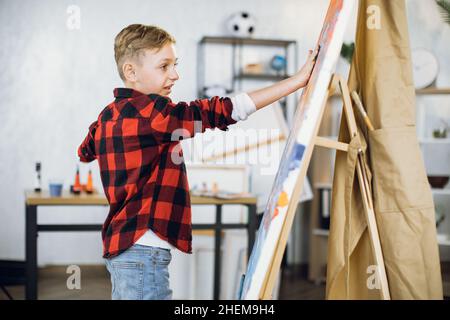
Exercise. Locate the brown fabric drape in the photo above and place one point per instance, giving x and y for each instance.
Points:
(381, 73)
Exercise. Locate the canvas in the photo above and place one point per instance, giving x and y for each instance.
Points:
(296, 155)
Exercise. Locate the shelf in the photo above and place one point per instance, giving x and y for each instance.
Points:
(435, 140)
(443, 240)
(321, 232)
(433, 91)
(335, 138)
(271, 77)
(323, 185)
(445, 191)
(247, 41)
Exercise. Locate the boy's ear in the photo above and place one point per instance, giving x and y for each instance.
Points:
(129, 72)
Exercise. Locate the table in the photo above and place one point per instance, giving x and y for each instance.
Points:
(35, 199)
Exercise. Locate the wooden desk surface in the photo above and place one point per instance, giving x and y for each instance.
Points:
(44, 198)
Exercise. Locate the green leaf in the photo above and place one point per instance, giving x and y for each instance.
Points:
(347, 51)
(444, 7)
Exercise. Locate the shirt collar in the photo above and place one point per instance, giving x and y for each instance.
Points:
(124, 93)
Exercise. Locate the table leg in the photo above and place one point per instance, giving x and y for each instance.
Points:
(31, 253)
(217, 249)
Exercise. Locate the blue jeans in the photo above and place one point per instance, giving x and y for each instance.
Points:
(140, 273)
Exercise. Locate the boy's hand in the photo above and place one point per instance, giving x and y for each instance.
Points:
(305, 72)
(265, 96)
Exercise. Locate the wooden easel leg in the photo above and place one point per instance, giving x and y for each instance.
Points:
(373, 234)
(366, 196)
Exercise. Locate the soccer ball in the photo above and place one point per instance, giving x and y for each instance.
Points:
(241, 24)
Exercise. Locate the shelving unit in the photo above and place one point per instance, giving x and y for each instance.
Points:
(237, 45)
(431, 142)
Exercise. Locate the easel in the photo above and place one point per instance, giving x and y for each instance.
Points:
(336, 82)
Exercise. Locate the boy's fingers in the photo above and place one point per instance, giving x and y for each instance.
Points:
(316, 51)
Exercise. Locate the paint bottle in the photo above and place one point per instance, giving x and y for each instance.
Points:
(37, 178)
(77, 185)
(215, 188)
(89, 184)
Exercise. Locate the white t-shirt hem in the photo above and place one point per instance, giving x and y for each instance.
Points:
(150, 239)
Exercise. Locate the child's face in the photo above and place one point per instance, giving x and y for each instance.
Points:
(155, 72)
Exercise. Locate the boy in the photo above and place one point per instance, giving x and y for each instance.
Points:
(136, 142)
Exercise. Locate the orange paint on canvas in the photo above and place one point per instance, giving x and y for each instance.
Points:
(283, 200)
(275, 213)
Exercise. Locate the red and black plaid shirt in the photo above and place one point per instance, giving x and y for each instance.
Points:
(136, 142)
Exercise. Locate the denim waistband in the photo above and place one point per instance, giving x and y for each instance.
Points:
(140, 247)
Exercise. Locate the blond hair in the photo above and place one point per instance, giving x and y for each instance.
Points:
(135, 38)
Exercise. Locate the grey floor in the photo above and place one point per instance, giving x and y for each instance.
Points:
(52, 285)
(96, 285)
